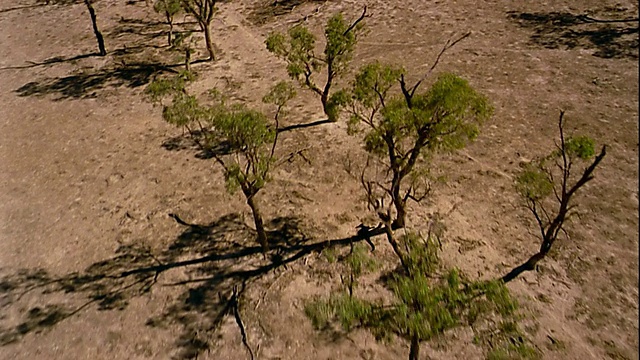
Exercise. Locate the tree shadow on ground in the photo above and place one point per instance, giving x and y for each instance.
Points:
(86, 85)
(553, 30)
(58, 2)
(266, 11)
(51, 61)
(145, 30)
(139, 35)
(195, 142)
(9, 9)
(209, 261)
(305, 125)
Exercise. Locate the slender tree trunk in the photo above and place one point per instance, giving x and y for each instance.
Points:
(398, 202)
(170, 22)
(187, 59)
(414, 353)
(394, 245)
(257, 218)
(401, 214)
(530, 264)
(324, 97)
(96, 31)
(207, 40)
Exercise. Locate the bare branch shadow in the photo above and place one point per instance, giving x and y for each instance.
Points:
(143, 35)
(211, 260)
(609, 38)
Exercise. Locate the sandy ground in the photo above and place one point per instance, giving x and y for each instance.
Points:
(89, 173)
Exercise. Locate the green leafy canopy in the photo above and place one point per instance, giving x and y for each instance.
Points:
(425, 304)
(280, 94)
(445, 117)
(534, 184)
(183, 110)
(340, 42)
(581, 147)
(297, 50)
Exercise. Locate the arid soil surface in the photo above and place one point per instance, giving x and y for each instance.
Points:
(93, 267)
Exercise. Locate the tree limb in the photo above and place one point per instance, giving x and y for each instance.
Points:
(409, 93)
(355, 23)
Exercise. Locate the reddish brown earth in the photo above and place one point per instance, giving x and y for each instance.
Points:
(89, 172)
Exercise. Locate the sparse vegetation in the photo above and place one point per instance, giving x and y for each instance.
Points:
(121, 173)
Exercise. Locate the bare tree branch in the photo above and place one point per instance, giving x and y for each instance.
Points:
(358, 20)
(410, 92)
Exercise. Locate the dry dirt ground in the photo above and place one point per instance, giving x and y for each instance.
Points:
(92, 266)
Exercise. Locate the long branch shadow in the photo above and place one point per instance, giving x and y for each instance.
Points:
(553, 30)
(209, 259)
(305, 125)
(200, 141)
(51, 61)
(59, 2)
(5, 10)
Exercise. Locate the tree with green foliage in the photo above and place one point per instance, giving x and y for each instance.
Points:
(249, 136)
(168, 8)
(428, 300)
(401, 133)
(297, 48)
(248, 169)
(255, 139)
(203, 11)
(548, 186)
(184, 111)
